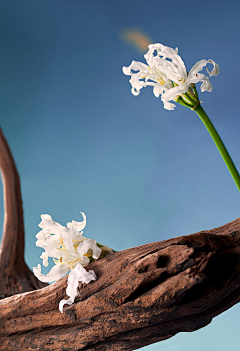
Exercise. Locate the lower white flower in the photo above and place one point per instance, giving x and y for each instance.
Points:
(166, 72)
(70, 251)
(76, 275)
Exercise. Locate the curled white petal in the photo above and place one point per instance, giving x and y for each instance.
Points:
(84, 246)
(78, 274)
(194, 75)
(48, 224)
(216, 69)
(197, 67)
(157, 90)
(172, 93)
(85, 261)
(43, 234)
(44, 257)
(57, 272)
(126, 70)
(78, 226)
(168, 105)
(176, 61)
(206, 86)
(135, 66)
(168, 69)
(67, 235)
(135, 92)
(51, 247)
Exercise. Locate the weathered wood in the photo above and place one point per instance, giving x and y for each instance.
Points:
(15, 276)
(143, 295)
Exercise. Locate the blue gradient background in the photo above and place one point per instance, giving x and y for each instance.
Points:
(83, 142)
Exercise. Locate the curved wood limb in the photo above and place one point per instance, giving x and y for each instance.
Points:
(15, 276)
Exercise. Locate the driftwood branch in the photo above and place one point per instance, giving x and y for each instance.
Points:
(143, 295)
(15, 276)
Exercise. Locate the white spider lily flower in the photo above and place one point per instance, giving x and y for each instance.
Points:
(166, 72)
(70, 252)
(73, 280)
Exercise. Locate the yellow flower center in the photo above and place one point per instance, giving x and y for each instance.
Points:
(75, 246)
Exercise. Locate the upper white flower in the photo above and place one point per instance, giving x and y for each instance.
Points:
(166, 72)
(70, 252)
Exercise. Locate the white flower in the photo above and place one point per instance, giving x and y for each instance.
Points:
(70, 252)
(166, 72)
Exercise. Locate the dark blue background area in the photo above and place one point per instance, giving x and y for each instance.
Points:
(83, 142)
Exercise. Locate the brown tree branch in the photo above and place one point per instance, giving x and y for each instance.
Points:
(15, 276)
(143, 295)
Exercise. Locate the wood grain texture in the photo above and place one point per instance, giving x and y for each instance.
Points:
(143, 295)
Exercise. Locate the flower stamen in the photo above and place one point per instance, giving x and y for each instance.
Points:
(161, 81)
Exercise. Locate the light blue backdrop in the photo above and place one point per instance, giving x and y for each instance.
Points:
(83, 142)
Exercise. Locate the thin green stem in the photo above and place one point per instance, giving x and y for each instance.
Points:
(221, 147)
